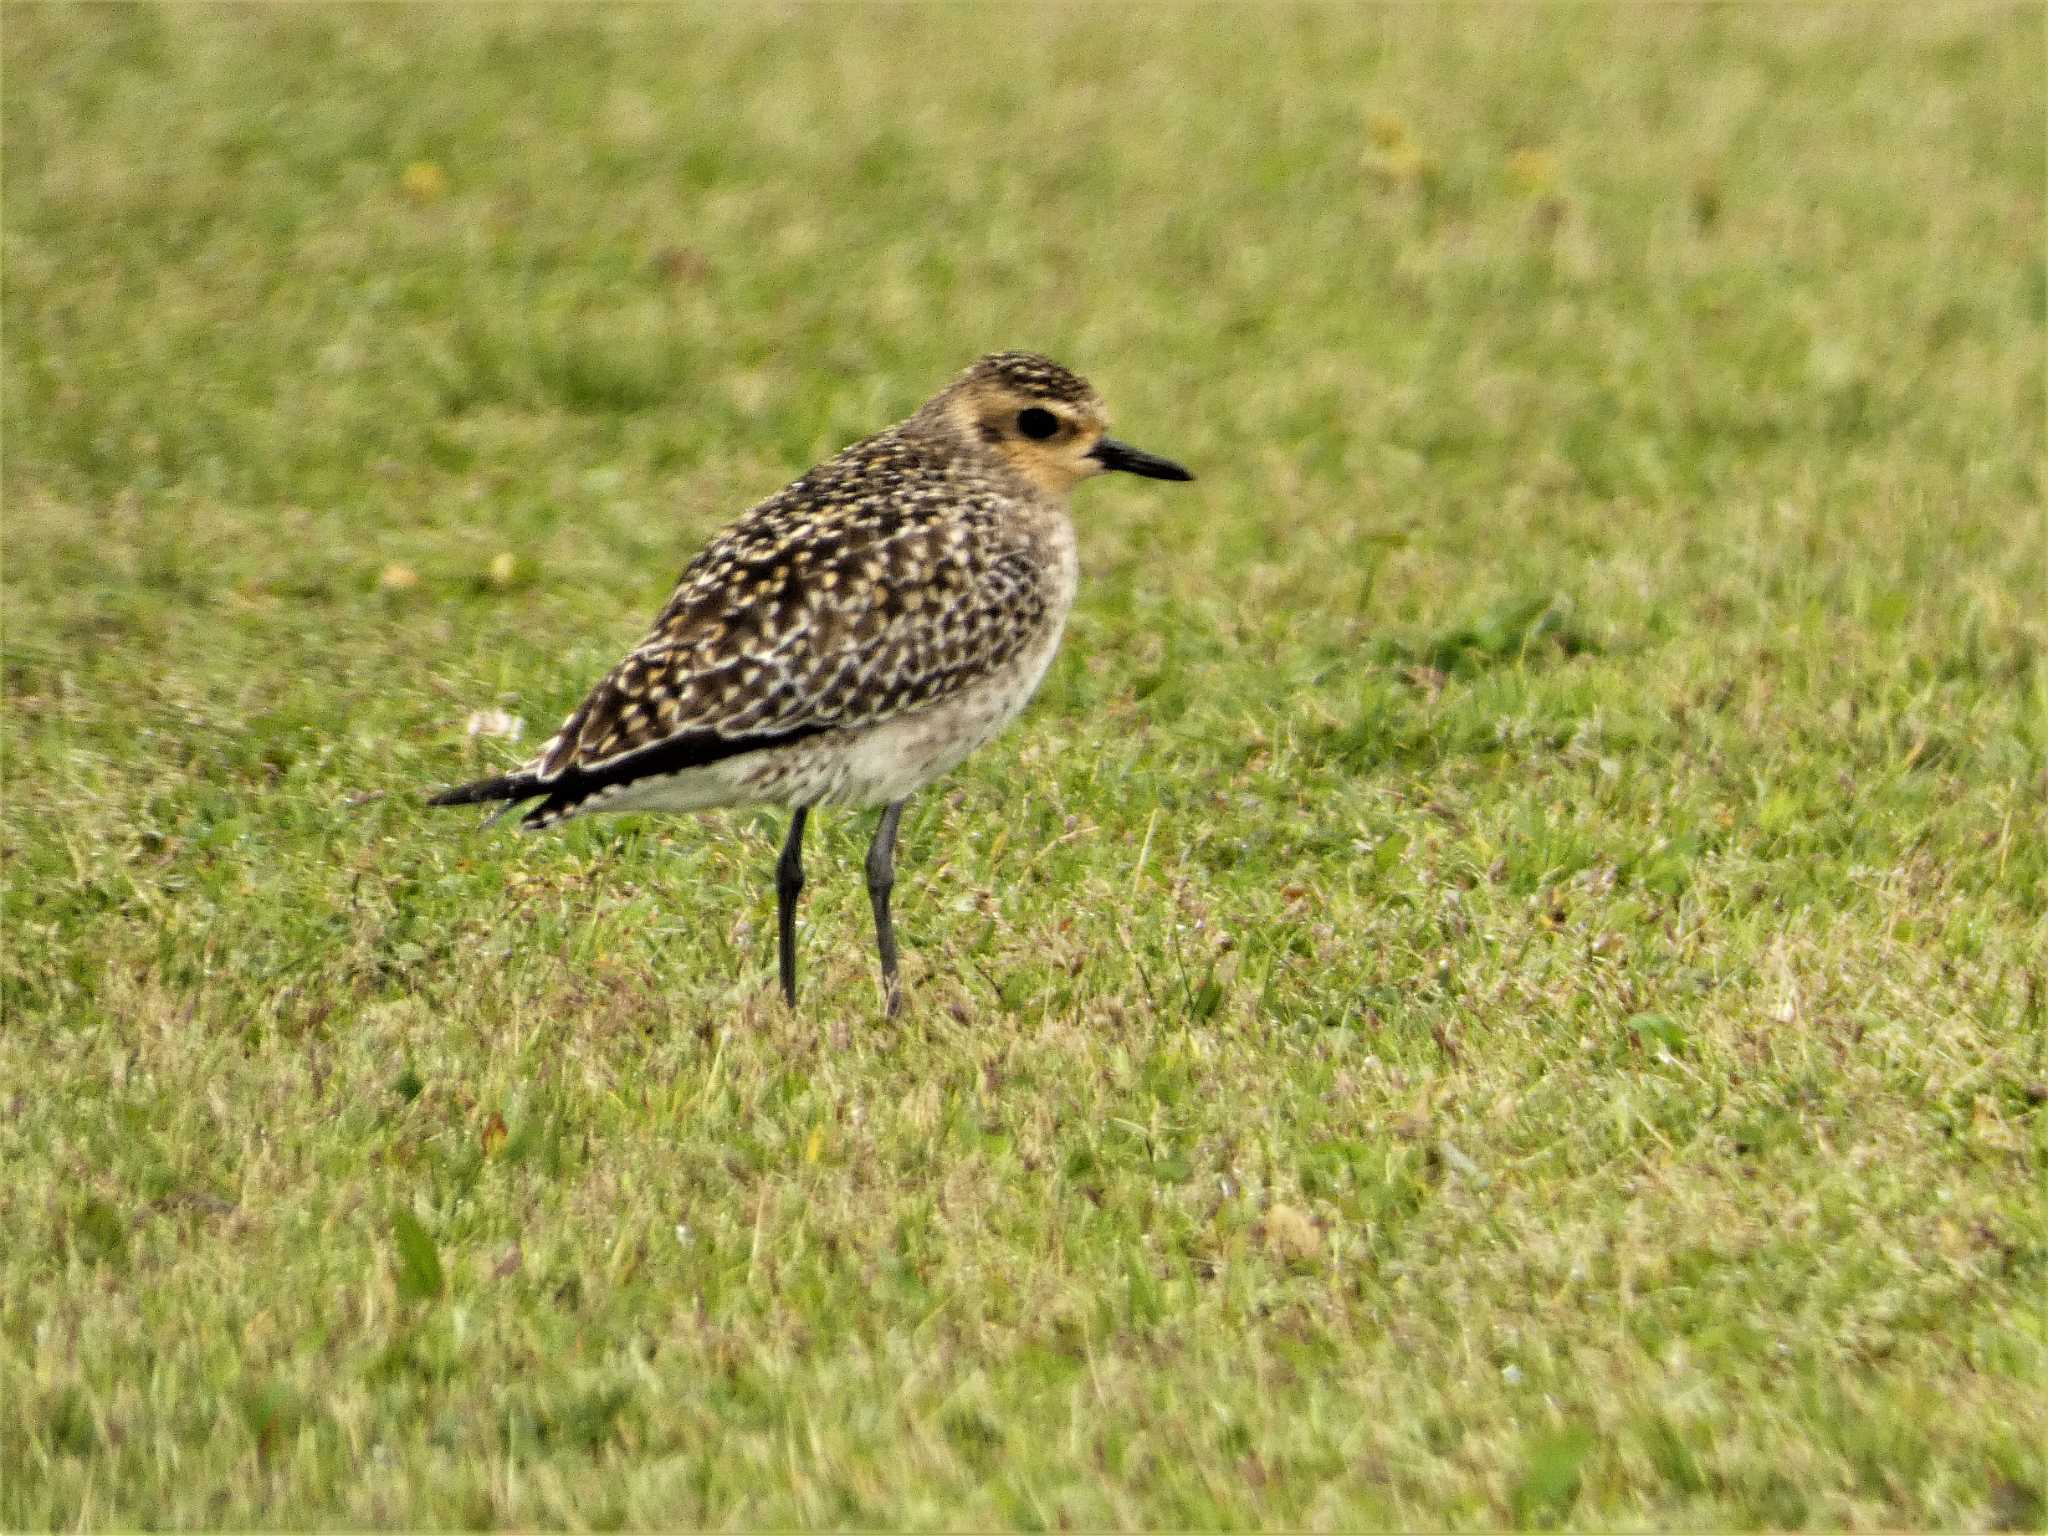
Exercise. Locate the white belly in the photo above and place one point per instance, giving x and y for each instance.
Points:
(888, 762)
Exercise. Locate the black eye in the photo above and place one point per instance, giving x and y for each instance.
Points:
(1037, 423)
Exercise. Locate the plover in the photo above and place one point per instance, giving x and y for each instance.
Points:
(853, 637)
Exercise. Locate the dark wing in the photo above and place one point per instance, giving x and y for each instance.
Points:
(880, 583)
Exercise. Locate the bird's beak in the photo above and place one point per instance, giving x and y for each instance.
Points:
(1111, 454)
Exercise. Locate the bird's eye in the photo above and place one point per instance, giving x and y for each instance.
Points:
(1037, 422)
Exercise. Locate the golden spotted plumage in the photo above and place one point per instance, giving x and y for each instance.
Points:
(854, 636)
(879, 583)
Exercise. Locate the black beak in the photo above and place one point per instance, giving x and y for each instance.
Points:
(1111, 454)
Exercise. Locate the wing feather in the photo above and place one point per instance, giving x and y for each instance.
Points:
(882, 582)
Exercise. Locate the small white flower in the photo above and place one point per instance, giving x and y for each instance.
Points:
(495, 722)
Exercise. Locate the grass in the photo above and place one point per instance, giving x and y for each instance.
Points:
(1501, 983)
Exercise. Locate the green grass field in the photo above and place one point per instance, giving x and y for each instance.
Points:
(1504, 980)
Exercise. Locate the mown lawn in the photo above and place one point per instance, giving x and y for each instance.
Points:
(1504, 980)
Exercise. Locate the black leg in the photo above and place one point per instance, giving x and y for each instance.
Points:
(789, 883)
(881, 878)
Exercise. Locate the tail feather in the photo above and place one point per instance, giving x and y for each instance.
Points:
(514, 787)
(572, 789)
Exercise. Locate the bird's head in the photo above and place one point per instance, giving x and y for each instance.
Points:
(1045, 422)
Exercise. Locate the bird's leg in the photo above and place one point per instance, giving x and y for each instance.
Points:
(881, 878)
(789, 883)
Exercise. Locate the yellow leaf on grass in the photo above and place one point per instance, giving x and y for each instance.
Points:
(1532, 171)
(1387, 130)
(1291, 1233)
(424, 181)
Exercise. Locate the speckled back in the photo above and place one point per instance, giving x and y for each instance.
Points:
(878, 583)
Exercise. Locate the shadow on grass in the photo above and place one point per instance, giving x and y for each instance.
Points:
(1475, 687)
(1532, 627)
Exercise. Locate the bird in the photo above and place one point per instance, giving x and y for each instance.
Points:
(853, 637)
